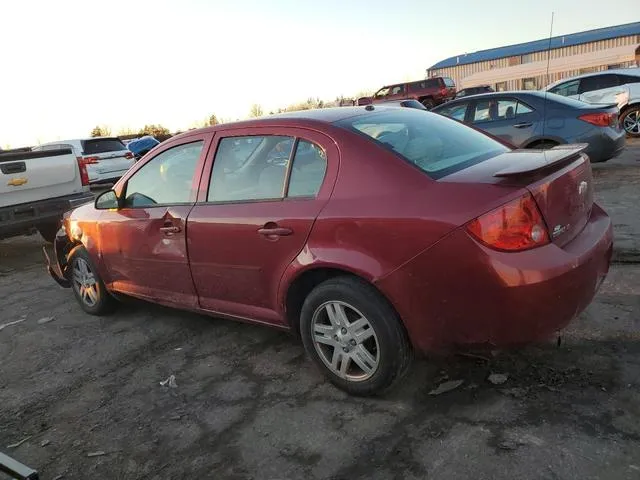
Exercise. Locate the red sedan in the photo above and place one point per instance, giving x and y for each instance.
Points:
(373, 232)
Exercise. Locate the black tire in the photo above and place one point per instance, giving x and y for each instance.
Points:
(104, 303)
(394, 353)
(428, 103)
(49, 230)
(631, 113)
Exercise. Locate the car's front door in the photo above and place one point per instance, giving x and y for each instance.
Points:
(265, 189)
(397, 92)
(506, 118)
(143, 243)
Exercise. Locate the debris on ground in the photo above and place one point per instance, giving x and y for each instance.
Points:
(178, 349)
(44, 320)
(44, 443)
(169, 382)
(8, 324)
(59, 477)
(446, 387)
(99, 453)
(17, 444)
(498, 378)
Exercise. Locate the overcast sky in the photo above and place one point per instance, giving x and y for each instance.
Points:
(68, 65)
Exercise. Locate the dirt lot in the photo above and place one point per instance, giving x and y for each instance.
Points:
(85, 392)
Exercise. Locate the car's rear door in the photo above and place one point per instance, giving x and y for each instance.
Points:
(143, 243)
(605, 89)
(259, 197)
(507, 118)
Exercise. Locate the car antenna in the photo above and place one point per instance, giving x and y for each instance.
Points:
(546, 91)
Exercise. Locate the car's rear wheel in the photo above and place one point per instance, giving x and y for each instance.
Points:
(428, 103)
(354, 335)
(87, 285)
(48, 230)
(630, 120)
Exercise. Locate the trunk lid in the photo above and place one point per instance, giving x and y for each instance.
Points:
(559, 179)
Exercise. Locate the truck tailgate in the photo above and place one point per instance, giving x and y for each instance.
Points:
(32, 176)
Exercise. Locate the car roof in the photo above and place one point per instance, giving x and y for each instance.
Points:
(621, 71)
(511, 93)
(315, 117)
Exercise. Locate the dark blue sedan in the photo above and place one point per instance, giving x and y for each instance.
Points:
(519, 119)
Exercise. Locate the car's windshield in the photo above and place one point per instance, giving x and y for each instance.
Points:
(436, 145)
(102, 145)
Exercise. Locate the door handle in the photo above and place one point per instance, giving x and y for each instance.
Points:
(522, 125)
(170, 229)
(275, 231)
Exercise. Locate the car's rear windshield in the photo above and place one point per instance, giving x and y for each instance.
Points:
(102, 145)
(436, 145)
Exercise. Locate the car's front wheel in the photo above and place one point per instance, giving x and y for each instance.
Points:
(87, 285)
(354, 335)
(428, 103)
(630, 120)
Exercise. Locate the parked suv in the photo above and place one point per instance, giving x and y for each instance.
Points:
(106, 158)
(430, 92)
(620, 86)
(467, 92)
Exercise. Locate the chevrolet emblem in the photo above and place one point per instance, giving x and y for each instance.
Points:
(16, 182)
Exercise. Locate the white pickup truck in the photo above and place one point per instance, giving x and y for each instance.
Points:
(37, 188)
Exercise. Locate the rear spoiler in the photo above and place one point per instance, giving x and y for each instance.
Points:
(15, 469)
(528, 161)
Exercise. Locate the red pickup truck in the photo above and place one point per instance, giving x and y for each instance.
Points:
(430, 92)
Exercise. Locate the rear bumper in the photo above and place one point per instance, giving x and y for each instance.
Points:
(461, 293)
(19, 219)
(604, 144)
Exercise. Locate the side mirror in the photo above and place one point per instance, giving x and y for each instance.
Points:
(107, 201)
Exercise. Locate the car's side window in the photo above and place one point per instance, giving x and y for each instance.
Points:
(566, 89)
(456, 111)
(165, 179)
(397, 90)
(485, 111)
(598, 82)
(308, 170)
(250, 168)
(626, 79)
(523, 108)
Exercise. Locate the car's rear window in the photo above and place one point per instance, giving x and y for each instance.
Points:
(102, 145)
(436, 145)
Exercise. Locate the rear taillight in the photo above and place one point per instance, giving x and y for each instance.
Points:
(84, 175)
(515, 226)
(600, 119)
(444, 91)
(91, 160)
(128, 155)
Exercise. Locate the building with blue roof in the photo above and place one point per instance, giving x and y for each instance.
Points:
(528, 66)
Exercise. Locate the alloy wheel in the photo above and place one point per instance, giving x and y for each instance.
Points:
(84, 282)
(631, 122)
(345, 341)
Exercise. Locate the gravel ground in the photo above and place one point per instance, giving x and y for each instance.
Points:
(85, 392)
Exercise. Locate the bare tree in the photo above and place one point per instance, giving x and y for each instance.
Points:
(256, 111)
(212, 120)
(101, 131)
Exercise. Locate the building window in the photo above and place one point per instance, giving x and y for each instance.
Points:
(588, 70)
(615, 66)
(529, 84)
(501, 87)
(528, 58)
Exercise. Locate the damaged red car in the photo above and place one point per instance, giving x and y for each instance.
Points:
(372, 232)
